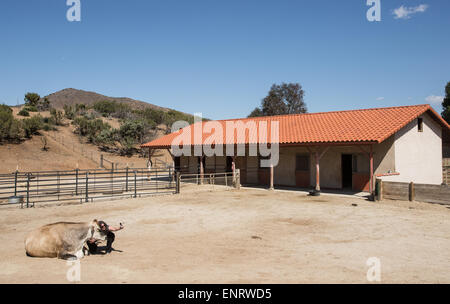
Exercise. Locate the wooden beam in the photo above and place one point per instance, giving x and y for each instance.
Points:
(371, 170)
(202, 170)
(323, 152)
(317, 172)
(271, 177)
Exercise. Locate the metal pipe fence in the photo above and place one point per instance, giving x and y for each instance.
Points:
(228, 179)
(28, 188)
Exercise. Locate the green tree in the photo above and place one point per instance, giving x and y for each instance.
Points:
(257, 112)
(446, 104)
(23, 112)
(105, 107)
(32, 125)
(286, 98)
(10, 128)
(32, 99)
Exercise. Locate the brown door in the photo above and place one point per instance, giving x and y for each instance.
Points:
(302, 176)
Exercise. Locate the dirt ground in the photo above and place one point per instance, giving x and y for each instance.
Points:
(242, 236)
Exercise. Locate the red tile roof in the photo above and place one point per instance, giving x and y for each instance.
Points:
(354, 126)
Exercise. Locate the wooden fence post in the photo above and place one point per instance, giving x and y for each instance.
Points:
(379, 189)
(412, 192)
(101, 161)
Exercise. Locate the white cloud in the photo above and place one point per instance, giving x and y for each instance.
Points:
(434, 99)
(380, 98)
(405, 12)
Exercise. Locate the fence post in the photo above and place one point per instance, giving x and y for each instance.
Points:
(412, 192)
(101, 161)
(126, 181)
(135, 182)
(58, 178)
(28, 190)
(379, 189)
(76, 181)
(177, 188)
(238, 179)
(87, 187)
(15, 183)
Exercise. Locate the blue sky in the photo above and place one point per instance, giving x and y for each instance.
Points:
(221, 57)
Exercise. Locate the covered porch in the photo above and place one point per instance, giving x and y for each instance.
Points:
(344, 167)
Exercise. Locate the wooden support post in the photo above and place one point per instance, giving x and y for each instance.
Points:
(101, 161)
(412, 192)
(371, 170)
(233, 169)
(271, 177)
(317, 172)
(202, 170)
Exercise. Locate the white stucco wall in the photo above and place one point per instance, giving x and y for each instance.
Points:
(418, 155)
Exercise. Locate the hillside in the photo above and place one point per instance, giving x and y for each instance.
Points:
(74, 96)
(66, 151)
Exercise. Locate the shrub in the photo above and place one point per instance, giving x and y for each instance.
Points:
(32, 125)
(30, 108)
(43, 105)
(57, 116)
(106, 137)
(23, 112)
(69, 112)
(105, 107)
(90, 128)
(10, 128)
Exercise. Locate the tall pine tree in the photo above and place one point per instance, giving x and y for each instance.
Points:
(446, 104)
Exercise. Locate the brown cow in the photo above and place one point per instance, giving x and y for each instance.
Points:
(62, 240)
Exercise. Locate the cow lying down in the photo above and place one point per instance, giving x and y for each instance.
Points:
(62, 240)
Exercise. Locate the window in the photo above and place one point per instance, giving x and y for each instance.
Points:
(420, 124)
(302, 163)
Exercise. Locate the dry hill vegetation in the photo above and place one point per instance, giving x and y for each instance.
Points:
(55, 134)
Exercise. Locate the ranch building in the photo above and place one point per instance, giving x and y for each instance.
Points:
(332, 150)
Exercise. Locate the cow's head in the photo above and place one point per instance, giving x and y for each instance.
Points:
(96, 231)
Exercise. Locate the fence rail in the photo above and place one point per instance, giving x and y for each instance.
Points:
(228, 179)
(27, 188)
(439, 194)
